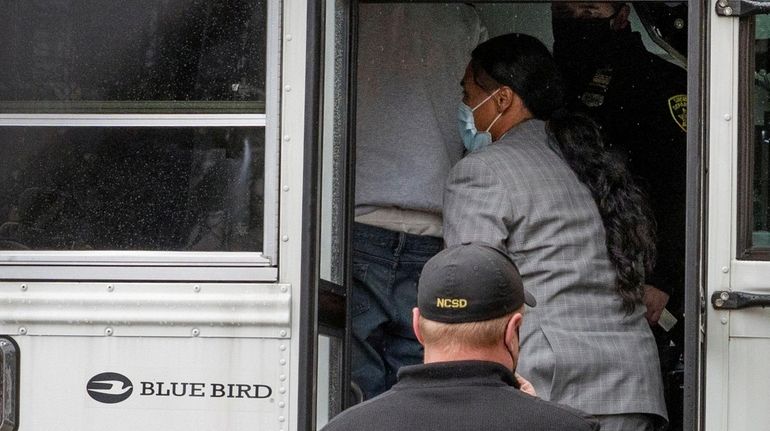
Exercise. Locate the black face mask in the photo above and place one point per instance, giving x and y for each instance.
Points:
(581, 40)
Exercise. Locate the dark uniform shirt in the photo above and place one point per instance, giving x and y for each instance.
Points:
(461, 395)
(640, 101)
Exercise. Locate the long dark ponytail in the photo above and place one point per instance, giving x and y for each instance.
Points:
(524, 64)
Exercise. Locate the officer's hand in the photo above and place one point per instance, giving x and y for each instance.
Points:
(525, 386)
(655, 300)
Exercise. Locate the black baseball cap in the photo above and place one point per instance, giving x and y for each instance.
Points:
(470, 282)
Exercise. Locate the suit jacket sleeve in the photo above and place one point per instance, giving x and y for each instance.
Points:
(476, 205)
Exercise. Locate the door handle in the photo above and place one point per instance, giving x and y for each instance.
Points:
(727, 300)
(739, 8)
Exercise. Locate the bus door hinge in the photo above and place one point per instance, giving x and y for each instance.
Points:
(739, 8)
(726, 300)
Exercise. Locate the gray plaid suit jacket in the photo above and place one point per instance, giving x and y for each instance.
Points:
(579, 348)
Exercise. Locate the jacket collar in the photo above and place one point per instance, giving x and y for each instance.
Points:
(455, 373)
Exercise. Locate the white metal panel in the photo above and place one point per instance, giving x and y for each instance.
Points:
(292, 168)
(749, 380)
(55, 372)
(138, 273)
(124, 257)
(135, 265)
(147, 310)
(721, 204)
(750, 323)
(752, 277)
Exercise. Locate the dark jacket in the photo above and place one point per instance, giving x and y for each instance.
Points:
(462, 395)
(640, 101)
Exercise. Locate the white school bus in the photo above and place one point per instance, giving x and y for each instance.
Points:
(176, 201)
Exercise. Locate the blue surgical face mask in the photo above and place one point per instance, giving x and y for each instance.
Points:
(472, 138)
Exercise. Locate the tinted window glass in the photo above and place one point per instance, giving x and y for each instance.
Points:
(761, 151)
(103, 55)
(182, 189)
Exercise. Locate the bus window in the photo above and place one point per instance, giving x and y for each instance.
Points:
(754, 163)
(147, 55)
(144, 126)
(172, 189)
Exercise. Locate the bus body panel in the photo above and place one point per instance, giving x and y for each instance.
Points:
(170, 383)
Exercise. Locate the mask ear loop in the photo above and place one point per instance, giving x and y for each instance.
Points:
(493, 122)
(485, 100)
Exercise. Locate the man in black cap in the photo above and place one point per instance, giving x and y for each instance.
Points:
(470, 308)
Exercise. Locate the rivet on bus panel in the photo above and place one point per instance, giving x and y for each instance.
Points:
(286, 138)
(108, 332)
(196, 288)
(24, 287)
(110, 288)
(22, 331)
(196, 332)
(728, 117)
(285, 238)
(288, 37)
(723, 320)
(283, 333)
(286, 188)
(725, 269)
(287, 88)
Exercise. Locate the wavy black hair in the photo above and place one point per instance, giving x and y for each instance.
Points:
(524, 64)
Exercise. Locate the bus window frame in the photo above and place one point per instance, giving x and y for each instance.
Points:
(745, 248)
(170, 265)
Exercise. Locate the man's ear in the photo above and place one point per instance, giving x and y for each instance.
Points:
(621, 18)
(416, 324)
(512, 331)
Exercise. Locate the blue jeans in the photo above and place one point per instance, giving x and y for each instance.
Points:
(386, 268)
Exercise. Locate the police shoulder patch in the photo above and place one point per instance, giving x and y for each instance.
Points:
(677, 105)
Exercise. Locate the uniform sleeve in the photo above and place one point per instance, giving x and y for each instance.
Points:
(476, 205)
(666, 182)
